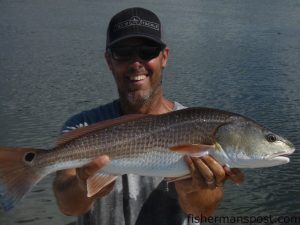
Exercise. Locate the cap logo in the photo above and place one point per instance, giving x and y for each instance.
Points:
(136, 21)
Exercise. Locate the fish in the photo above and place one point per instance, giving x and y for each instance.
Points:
(146, 145)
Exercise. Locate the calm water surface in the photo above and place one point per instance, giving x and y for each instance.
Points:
(242, 56)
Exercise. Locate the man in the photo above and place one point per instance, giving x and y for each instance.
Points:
(136, 55)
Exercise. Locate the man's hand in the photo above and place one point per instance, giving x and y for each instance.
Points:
(70, 187)
(201, 194)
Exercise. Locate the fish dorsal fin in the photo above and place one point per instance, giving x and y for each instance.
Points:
(71, 135)
(97, 182)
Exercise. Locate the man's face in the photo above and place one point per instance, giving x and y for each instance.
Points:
(137, 79)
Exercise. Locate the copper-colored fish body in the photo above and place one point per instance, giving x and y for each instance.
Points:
(149, 145)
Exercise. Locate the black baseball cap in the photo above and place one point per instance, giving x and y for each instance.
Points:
(134, 22)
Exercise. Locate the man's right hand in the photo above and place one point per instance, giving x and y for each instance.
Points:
(70, 189)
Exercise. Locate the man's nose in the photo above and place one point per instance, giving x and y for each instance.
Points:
(136, 64)
(136, 60)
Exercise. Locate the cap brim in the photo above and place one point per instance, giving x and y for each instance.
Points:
(135, 35)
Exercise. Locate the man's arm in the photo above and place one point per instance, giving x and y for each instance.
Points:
(70, 188)
(201, 194)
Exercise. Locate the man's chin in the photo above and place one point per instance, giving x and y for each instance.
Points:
(135, 98)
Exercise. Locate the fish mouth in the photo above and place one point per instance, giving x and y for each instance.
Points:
(281, 154)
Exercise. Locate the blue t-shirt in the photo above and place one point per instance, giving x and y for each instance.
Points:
(135, 200)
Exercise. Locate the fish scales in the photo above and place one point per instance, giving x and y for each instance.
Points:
(158, 134)
(127, 140)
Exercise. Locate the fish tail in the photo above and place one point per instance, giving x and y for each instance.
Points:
(18, 174)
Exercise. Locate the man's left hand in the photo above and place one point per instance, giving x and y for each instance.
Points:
(201, 194)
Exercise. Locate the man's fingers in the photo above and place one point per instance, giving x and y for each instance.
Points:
(190, 163)
(216, 169)
(204, 171)
(91, 168)
(234, 174)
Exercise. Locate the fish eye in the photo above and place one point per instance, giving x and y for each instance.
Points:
(271, 138)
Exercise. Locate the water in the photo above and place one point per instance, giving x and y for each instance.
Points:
(241, 56)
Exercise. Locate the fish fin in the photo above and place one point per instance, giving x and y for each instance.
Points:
(198, 154)
(191, 149)
(218, 147)
(17, 174)
(174, 179)
(97, 182)
(71, 135)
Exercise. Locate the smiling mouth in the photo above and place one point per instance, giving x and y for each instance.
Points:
(137, 78)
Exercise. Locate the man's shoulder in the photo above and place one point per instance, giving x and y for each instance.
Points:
(103, 112)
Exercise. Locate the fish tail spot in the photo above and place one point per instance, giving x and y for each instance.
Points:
(17, 177)
(29, 156)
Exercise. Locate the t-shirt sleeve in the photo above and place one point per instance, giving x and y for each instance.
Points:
(73, 123)
(88, 117)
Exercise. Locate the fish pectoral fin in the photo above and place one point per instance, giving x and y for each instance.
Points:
(97, 182)
(192, 149)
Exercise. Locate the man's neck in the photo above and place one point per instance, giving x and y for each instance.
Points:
(156, 105)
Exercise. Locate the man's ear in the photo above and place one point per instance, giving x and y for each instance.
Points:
(165, 56)
(108, 59)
